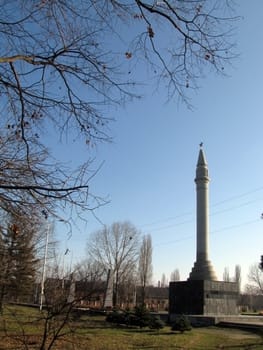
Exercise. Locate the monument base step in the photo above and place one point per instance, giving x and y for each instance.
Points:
(239, 321)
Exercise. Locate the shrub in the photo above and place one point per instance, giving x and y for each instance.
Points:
(142, 316)
(181, 324)
(156, 323)
(116, 317)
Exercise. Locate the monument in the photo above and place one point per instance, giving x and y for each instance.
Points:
(202, 293)
(203, 269)
(107, 302)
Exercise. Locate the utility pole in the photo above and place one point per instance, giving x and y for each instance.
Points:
(44, 269)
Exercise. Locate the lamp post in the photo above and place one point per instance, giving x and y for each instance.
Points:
(44, 269)
(63, 267)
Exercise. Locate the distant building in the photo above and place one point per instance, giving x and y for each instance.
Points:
(93, 294)
(251, 303)
(156, 298)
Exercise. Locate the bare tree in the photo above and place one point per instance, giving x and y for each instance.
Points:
(145, 264)
(89, 270)
(255, 278)
(116, 248)
(226, 275)
(32, 185)
(58, 72)
(175, 275)
(164, 282)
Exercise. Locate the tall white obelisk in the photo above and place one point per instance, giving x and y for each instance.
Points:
(203, 269)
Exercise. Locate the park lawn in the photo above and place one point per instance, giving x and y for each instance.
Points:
(19, 325)
(197, 339)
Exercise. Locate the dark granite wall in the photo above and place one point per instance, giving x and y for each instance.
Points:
(203, 298)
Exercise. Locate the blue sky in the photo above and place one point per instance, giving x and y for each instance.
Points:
(149, 168)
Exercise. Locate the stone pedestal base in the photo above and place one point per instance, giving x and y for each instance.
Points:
(194, 297)
(202, 270)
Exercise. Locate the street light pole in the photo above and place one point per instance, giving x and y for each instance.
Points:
(63, 267)
(44, 269)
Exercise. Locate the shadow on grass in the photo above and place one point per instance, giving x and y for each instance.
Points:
(92, 324)
(249, 346)
(137, 330)
(167, 333)
(148, 331)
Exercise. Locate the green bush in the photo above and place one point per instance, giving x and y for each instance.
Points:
(116, 317)
(141, 317)
(181, 324)
(156, 323)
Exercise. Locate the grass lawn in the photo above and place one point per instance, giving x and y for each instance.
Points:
(20, 325)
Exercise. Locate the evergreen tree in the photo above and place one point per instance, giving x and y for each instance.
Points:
(18, 259)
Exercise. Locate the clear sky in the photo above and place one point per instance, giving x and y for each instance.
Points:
(149, 169)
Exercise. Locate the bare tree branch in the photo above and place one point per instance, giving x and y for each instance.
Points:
(64, 63)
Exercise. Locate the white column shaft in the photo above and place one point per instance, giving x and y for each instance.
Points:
(202, 218)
